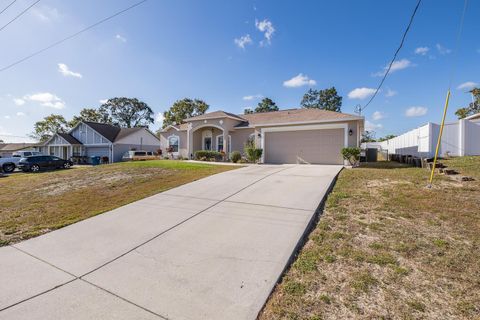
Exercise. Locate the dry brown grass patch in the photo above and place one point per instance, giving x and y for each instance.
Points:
(33, 204)
(397, 249)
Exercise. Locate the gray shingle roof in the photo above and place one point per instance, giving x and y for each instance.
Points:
(107, 130)
(70, 139)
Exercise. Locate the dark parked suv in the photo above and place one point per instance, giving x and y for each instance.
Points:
(36, 163)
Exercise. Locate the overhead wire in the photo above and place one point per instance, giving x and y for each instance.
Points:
(71, 36)
(8, 6)
(18, 15)
(447, 99)
(387, 71)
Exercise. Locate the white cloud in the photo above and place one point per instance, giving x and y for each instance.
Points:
(416, 111)
(252, 97)
(21, 114)
(159, 118)
(19, 101)
(361, 93)
(45, 13)
(102, 101)
(243, 41)
(370, 126)
(396, 65)
(7, 117)
(121, 38)
(266, 27)
(63, 69)
(390, 93)
(467, 85)
(46, 99)
(299, 80)
(442, 50)
(377, 115)
(422, 50)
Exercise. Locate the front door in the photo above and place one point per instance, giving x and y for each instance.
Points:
(65, 153)
(207, 143)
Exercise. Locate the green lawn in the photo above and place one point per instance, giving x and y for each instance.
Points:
(387, 247)
(33, 204)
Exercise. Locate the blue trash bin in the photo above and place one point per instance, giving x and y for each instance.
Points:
(95, 161)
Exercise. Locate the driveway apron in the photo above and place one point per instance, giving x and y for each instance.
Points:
(210, 249)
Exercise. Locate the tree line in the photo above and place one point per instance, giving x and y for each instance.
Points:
(472, 108)
(121, 111)
(326, 99)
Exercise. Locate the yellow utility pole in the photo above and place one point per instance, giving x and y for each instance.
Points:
(439, 141)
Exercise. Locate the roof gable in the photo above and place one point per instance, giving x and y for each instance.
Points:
(67, 137)
(215, 115)
(106, 130)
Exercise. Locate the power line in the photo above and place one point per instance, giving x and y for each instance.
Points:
(394, 56)
(457, 44)
(19, 15)
(71, 36)
(8, 6)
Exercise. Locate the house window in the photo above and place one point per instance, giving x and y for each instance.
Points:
(173, 143)
(220, 143)
(77, 151)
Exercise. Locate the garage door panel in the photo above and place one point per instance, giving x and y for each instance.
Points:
(305, 146)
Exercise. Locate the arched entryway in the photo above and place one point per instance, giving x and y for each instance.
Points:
(209, 137)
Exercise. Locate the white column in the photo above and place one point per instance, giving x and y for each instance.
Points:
(225, 141)
(189, 142)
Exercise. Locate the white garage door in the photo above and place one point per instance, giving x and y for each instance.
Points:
(98, 152)
(304, 146)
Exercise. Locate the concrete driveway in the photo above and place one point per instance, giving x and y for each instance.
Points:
(211, 249)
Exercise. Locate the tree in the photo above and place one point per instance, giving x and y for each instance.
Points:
(326, 99)
(88, 114)
(387, 137)
(472, 108)
(368, 136)
(183, 109)
(46, 128)
(126, 112)
(248, 111)
(266, 105)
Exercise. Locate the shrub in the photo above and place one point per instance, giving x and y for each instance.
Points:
(235, 156)
(208, 155)
(351, 154)
(252, 152)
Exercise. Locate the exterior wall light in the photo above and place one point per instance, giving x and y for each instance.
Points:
(350, 132)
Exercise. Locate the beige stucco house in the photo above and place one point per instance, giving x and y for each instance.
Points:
(286, 136)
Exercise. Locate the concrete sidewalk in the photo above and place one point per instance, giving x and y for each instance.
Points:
(211, 249)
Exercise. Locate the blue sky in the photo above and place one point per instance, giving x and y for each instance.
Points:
(232, 53)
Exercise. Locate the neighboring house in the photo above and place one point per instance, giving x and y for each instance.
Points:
(7, 149)
(459, 138)
(89, 139)
(286, 136)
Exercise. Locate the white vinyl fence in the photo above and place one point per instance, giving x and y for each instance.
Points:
(459, 138)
